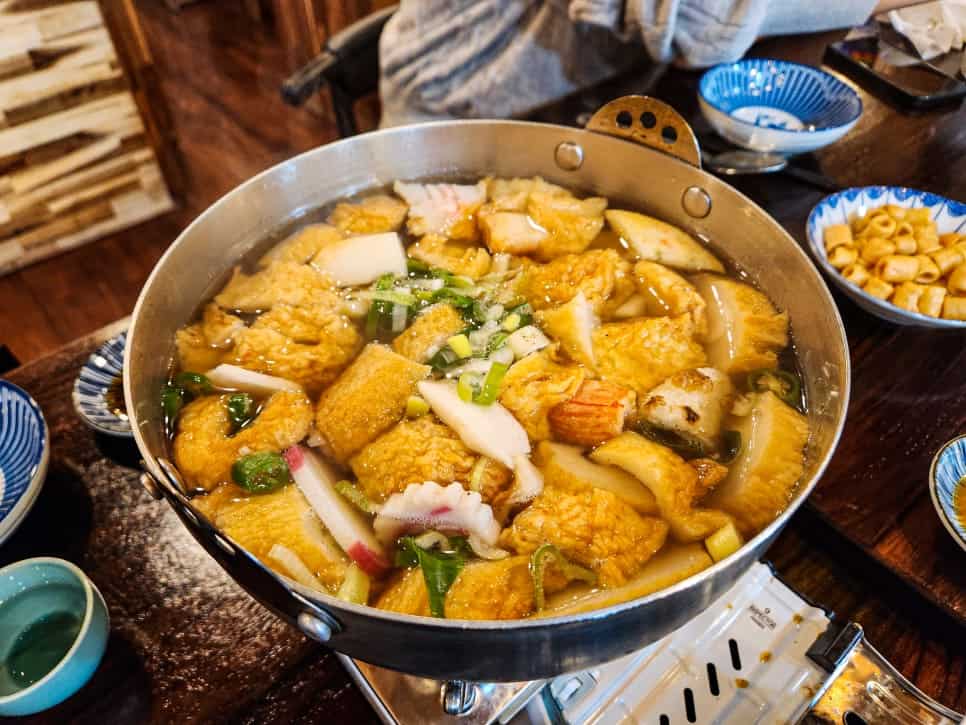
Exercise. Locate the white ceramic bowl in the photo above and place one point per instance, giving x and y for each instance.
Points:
(843, 206)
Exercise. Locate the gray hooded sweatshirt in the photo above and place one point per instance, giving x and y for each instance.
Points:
(502, 58)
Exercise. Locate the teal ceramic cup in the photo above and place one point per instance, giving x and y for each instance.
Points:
(53, 632)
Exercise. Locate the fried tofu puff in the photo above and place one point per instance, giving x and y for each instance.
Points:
(571, 224)
(284, 517)
(639, 354)
(483, 590)
(601, 274)
(464, 259)
(668, 293)
(203, 345)
(203, 450)
(280, 283)
(302, 246)
(534, 385)
(307, 345)
(692, 403)
(429, 332)
(365, 400)
(594, 528)
(420, 450)
(371, 215)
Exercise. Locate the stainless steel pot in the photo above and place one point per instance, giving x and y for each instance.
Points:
(661, 177)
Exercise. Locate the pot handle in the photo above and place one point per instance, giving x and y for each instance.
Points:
(649, 122)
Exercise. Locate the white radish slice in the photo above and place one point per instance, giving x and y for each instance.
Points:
(431, 507)
(316, 480)
(527, 340)
(488, 429)
(233, 377)
(527, 481)
(361, 260)
(294, 567)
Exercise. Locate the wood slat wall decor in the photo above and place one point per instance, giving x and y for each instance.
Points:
(78, 131)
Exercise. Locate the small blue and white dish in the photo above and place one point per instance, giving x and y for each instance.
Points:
(844, 206)
(774, 105)
(947, 470)
(24, 455)
(98, 392)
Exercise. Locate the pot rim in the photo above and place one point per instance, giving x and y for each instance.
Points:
(330, 602)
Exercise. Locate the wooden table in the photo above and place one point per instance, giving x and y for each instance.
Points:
(187, 644)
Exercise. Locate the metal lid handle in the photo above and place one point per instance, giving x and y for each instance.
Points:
(649, 122)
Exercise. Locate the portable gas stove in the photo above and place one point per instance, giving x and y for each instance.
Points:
(759, 654)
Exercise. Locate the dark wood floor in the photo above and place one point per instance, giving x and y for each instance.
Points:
(220, 73)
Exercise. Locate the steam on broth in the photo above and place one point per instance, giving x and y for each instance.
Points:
(487, 401)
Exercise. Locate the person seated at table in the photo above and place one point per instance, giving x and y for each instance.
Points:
(502, 58)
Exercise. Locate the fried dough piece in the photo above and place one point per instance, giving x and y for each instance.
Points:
(641, 353)
(763, 477)
(571, 224)
(429, 332)
(668, 293)
(202, 345)
(203, 451)
(365, 400)
(533, 386)
(280, 283)
(371, 215)
(600, 274)
(309, 346)
(594, 528)
(672, 481)
(414, 451)
(437, 251)
(259, 522)
(483, 590)
(301, 246)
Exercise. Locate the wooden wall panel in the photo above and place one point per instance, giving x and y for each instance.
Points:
(78, 134)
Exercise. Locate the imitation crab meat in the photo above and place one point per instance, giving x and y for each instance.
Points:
(439, 208)
(429, 506)
(317, 480)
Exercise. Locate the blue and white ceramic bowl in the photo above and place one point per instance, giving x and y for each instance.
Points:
(24, 454)
(843, 206)
(774, 105)
(948, 468)
(98, 384)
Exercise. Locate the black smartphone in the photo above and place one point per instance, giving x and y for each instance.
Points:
(899, 77)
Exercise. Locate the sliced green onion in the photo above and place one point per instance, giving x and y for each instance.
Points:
(461, 281)
(261, 472)
(511, 322)
(385, 282)
(451, 297)
(684, 447)
(443, 359)
(491, 384)
(397, 297)
(496, 341)
(785, 385)
(479, 312)
(541, 558)
(467, 387)
(355, 586)
(172, 399)
(354, 495)
(730, 445)
(416, 406)
(460, 344)
(524, 310)
(241, 411)
(415, 268)
(193, 383)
